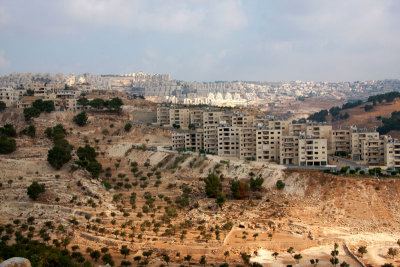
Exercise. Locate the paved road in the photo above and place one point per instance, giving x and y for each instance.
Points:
(348, 162)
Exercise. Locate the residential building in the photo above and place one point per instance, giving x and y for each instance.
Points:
(289, 150)
(392, 153)
(357, 136)
(196, 118)
(228, 141)
(312, 151)
(179, 117)
(163, 115)
(341, 142)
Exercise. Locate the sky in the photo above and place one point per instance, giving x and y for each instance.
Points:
(204, 40)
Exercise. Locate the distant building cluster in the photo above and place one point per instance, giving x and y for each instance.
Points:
(262, 138)
(63, 96)
(218, 93)
(22, 89)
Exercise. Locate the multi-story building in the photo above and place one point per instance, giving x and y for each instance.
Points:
(179, 116)
(178, 140)
(357, 136)
(321, 131)
(242, 120)
(312, 151)
(373, 152)
(264, 139)
(211, 121)
(27, 101)
(162, 115)
(289, 150)
(247, 143)
(392, 153)
(267, 143)
(194, 141)
(228, 141)
(189, 140)
(10, 96)
(297, 128)
(341, 141)
(196, 118)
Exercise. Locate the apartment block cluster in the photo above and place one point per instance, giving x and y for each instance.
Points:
(263, 138)
(64, 98)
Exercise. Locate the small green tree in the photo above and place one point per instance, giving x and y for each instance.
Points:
(125, 251)
(213, 185)
(107, 258)
(280, 185)
(115, 104)
(58, 156)
(95, 254)
(81, 119)
(226, 255)
(239, 189)
(334, 253)
(393, 252)
(203, 260)
(127, 127)
(166, 259)
(2, 106)
(245, 258)
(256, 184)
(298, 257)
(83, 102)
(31, 112)
(221, 199)
(314, 262)
(362, 250)
(7, 145)
(95, 168)
(275, 255)
(188, 258)
(35, 189)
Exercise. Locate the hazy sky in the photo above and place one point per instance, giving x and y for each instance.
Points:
(204, 40)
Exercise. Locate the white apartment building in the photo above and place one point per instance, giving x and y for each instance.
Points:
(312, 151)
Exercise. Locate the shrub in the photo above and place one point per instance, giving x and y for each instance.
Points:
(95, 168)
(128, 127)
(213, 185)
(80, 119)
(7, 145)
(31, 112)
(280, 185)
(239, 189)
(35, 189)
(2, 106)
(8, 130)
(58, 156)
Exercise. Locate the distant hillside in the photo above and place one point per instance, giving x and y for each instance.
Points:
(365, 114)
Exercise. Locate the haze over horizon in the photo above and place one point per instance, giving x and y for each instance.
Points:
(204, 40)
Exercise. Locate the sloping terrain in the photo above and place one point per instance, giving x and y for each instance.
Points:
(358, 116)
